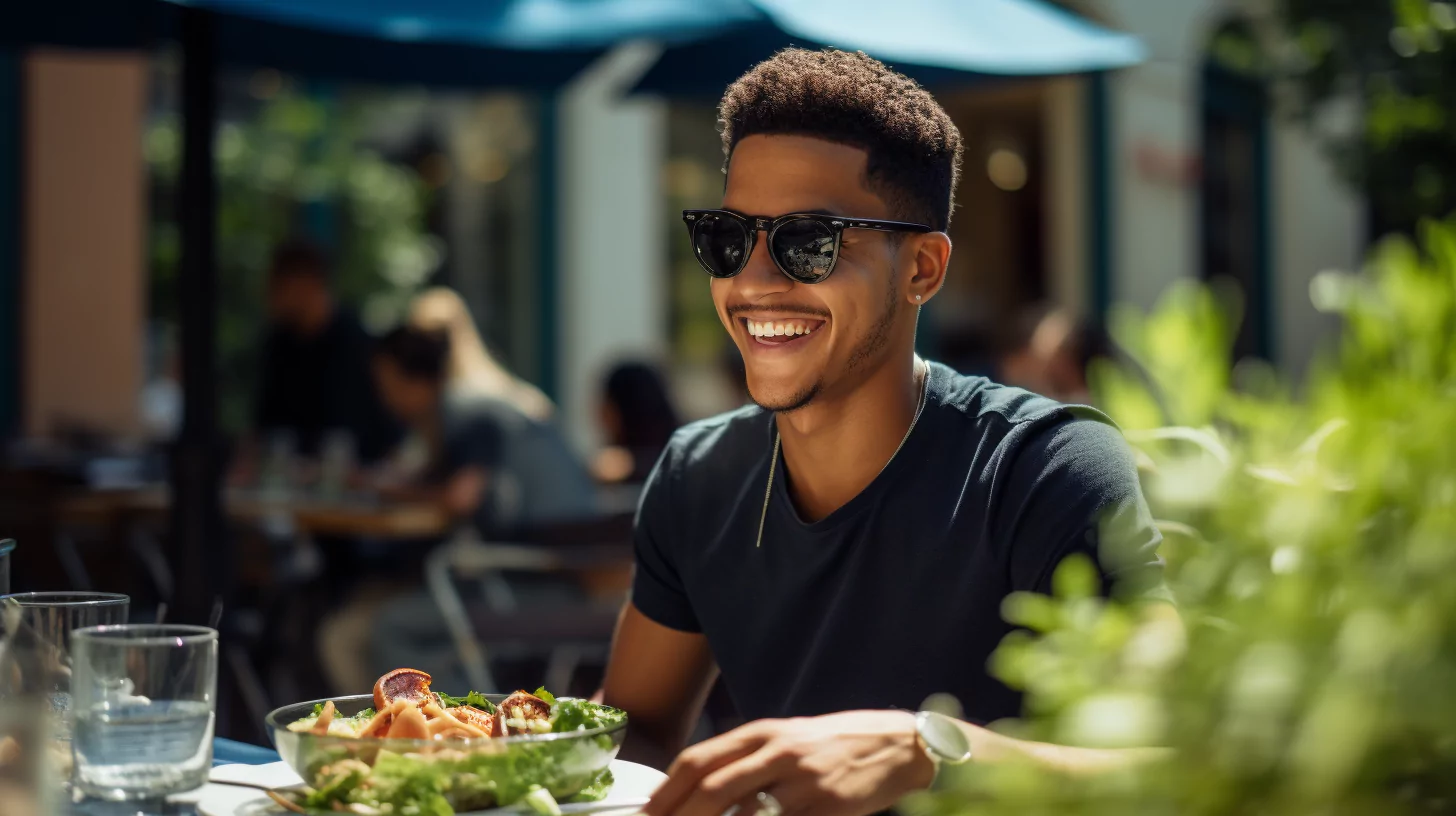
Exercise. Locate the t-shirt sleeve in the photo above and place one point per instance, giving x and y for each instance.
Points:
(1073, 488)
(657, 587)
(478, 442)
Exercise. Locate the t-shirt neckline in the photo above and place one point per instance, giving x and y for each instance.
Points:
(784, 504)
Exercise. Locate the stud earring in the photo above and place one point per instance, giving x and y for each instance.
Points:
(917, 298)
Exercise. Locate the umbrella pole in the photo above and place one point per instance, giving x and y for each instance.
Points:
(200, 550)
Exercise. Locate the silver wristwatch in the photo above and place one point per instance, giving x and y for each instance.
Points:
(942, 739)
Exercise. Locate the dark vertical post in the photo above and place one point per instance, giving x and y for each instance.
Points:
(12, 208)
(1100, 203)
(199, 549)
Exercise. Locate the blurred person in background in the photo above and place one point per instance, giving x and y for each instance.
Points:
(1051, 352)
(471, 366)
(487, 462)
(637, 419)
(488, 465)
(315, 372)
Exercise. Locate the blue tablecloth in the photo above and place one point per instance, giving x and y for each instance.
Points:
(232, 752)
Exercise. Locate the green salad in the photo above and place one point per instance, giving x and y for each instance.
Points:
(466, 756)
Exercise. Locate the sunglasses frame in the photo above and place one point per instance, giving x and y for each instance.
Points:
(754, 224)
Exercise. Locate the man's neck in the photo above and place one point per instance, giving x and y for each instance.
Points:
(834, 448)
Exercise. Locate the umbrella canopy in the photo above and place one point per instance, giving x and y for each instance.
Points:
(372, 42)
(519, 24)
(536, 44)
(936, 41)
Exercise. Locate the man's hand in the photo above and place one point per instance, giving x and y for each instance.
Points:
(847, 764)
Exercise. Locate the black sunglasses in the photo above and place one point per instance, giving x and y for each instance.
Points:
(804, 246)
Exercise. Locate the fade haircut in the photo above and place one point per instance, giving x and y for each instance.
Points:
(853, 99)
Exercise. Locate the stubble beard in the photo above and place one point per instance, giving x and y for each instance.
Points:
(866, 351)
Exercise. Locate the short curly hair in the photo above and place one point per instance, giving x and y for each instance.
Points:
(853, 99)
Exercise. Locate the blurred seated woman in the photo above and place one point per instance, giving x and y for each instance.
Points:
(471, 366)
(487, 464)
(535, 476)
(637, 419)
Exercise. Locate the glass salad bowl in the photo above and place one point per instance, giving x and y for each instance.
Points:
(390, 775)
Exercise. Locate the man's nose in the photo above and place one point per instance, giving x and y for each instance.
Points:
(760, 277)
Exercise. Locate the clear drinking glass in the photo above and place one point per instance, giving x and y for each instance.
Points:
(280, 460)
(6, 548)
(26, 771)
(145, 699)
(39, 626)
(335, 464)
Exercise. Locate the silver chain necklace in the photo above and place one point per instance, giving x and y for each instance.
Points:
(774, 462)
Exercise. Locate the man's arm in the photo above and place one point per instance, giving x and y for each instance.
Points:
(661, 678)
(460, 496)
(847, 764)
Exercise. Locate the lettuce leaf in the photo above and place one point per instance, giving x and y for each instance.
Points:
(473, 699)
(408, 785)
(583, 715)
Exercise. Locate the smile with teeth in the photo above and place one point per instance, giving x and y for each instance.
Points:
(781, 328)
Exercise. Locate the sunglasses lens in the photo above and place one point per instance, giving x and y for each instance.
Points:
(805, 249)
(721, 245)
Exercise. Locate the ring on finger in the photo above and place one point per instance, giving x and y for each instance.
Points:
(768, 805)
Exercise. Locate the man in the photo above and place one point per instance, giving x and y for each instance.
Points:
(315, 367)
(840, 552)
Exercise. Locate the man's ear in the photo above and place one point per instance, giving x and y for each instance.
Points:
(932, 257)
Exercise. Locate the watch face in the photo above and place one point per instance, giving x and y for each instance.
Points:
(943, 736)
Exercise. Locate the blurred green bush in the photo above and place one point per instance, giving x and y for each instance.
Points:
(296, 165)
(1311, 543)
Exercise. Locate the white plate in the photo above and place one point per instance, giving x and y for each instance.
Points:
(630, 781)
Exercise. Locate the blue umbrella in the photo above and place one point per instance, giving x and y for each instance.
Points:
(709, 42)
(936, 41)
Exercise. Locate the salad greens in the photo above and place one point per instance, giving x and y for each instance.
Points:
(371, 781)
(474, 699)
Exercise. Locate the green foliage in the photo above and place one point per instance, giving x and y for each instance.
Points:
(1310, 543)
(1393, 58)
(297, 161)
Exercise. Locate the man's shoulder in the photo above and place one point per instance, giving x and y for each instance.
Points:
(1015, 414)
(981, 399)
(719, 447)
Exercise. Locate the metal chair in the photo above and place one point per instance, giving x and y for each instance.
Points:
(500, 624)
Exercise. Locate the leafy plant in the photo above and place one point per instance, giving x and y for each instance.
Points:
(1391, 59)
(297, 165)
(1310, 543)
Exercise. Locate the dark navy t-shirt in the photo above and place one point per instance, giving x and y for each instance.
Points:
(897, 594)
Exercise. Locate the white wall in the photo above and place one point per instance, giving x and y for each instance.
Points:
(1154, 110)
(1315, 221)
(612, 299)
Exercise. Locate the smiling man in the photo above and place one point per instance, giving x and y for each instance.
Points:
(840, 551)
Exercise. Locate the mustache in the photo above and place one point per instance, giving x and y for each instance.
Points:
(747, 308)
